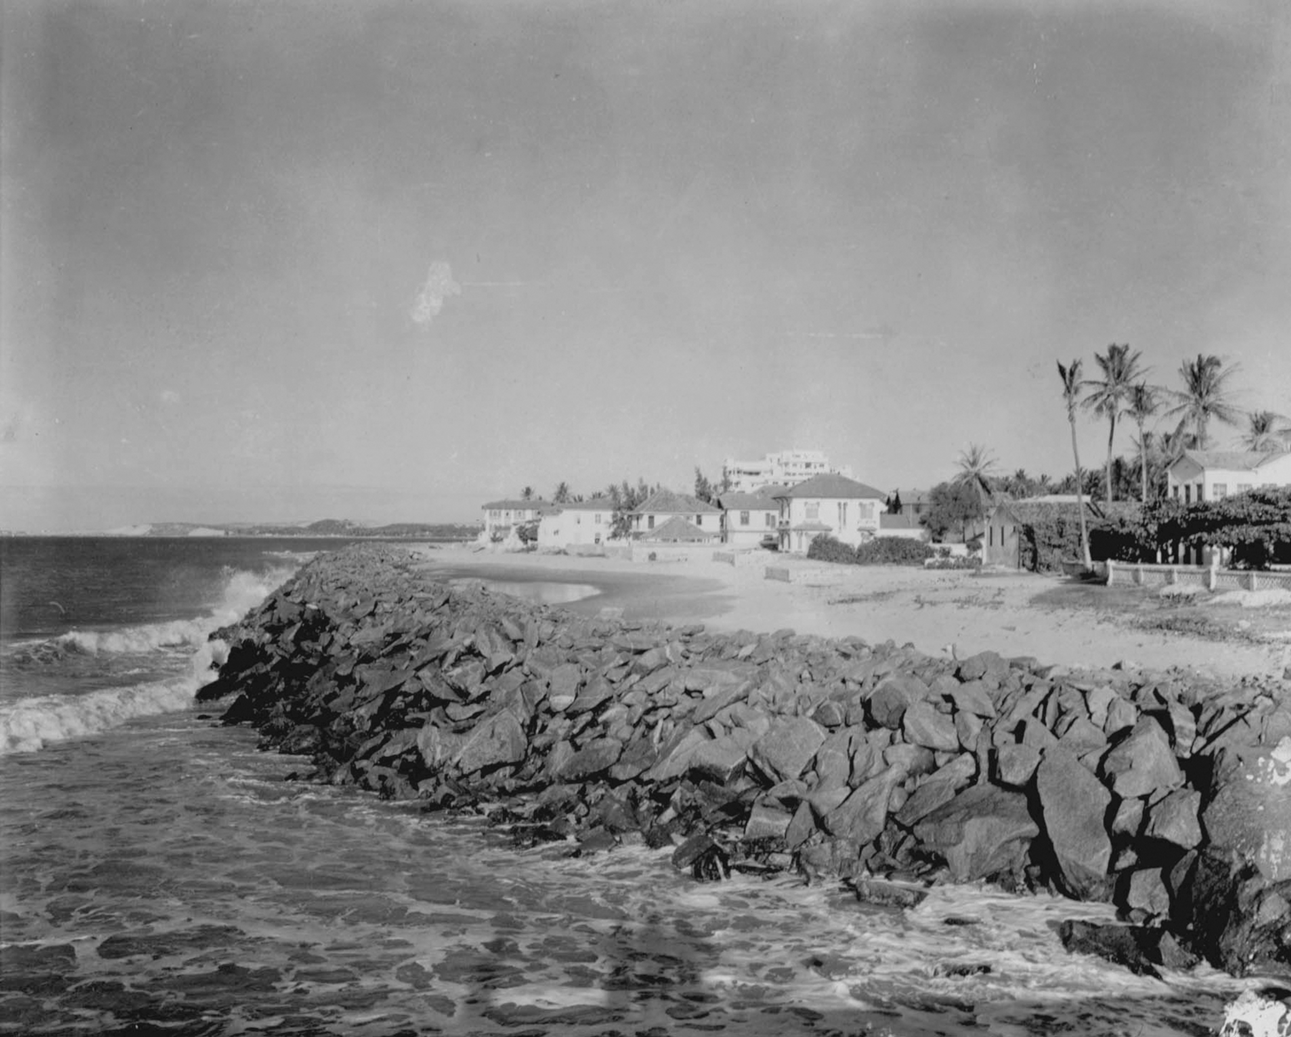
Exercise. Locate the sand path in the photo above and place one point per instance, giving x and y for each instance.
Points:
(938, 611)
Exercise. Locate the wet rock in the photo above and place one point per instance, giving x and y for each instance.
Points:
(787, 748)
(1250, 812)
(1073, 807)
(982, 832)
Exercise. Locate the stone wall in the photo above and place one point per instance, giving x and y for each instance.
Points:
(774, 751)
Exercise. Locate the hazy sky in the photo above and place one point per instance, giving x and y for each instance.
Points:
(386, 260)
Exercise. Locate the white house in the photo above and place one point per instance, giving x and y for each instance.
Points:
(845, 509)
(783, 468)
(749, 518)
(576, 524)
(663, 505)
(1201, 475)
(500, 516)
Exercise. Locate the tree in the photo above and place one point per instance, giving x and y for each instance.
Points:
(951, 505)
(703, 488)
(894, 503)
(975, 471)
(1071, 385)
(1107, 398)
(1206, 395)
(562, 494)
(1142, 403)
(1266, 432)
(526, 493)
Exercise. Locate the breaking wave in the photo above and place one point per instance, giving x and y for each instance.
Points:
(27, 723)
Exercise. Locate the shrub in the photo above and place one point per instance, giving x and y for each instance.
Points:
(893, 551)
(826, 548)
(952, 562)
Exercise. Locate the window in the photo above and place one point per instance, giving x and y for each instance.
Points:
(649, 522)
(770, 520)
(1220, 490)
(867, 510)
(596, 519)
(842, 514)
(744, 518)
(699, 521)
(813, 511)
(1242, 487)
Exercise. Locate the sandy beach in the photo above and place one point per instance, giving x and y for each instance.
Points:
(938, 611)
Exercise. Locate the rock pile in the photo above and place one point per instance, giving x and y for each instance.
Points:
(777, 751)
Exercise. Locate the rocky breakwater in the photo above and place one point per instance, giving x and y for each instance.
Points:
(874, 763)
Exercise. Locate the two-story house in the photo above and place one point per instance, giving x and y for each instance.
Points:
(501, 516)
(577, 523)
(845, 509)
(750, 518)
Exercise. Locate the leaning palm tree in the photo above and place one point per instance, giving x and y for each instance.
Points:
(1107, 398)
(1206, 394)
(1071, 386)
(1266, 432)
(1142, 403)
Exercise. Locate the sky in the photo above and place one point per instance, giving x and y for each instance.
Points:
(385, 261)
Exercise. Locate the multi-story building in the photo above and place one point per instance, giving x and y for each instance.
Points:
(784, 468)
(500, 516)
(1201, 475)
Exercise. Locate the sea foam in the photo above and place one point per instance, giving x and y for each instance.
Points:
(28, 724)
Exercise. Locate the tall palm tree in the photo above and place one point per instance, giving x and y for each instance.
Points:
(1206, 394)
(1107, 397)
(1142, 403)
(1265, 432)
(1071, 386)
(562, 494)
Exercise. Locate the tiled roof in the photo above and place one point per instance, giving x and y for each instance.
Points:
(665, 502)
(595, 504)
(833, 487)
(517, 505)
(677, 528)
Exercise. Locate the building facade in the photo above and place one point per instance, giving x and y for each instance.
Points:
(748, 519)
(501, 516)
(577, 524)
(834, 505)
(784, 468)
(659, 507)
(1201, 475)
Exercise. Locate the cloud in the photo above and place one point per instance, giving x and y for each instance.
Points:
(438, 287)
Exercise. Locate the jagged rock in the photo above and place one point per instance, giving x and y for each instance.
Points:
(1015, 764)
(888, 894)
(938, 788)
(976, 667)
(972, 697)
(1175, 819)
(890, 700)
(861, 816)
(1144, 763)
(923, 725)
(1250, 813)
(984, 831)
(767, 822)
(1139, 948)
(1073, 806)
(597, 756)
(786, 749)
(722, 759)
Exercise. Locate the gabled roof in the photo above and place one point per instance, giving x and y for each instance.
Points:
(665, 502)
(518, 505)
(1232, 460)
(833, 487)
(754, 501)
(678, 528)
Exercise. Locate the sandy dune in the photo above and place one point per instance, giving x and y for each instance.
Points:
(938, 611)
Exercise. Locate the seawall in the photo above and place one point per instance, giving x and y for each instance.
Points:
(872, 763)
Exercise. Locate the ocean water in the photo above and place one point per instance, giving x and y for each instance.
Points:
(159, 875)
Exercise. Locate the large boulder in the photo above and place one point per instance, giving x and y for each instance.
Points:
(1143, 763)
(1250, 812)
(983, 832)
(786, 749)
(1073, 806)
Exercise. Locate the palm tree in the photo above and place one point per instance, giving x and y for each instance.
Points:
(1071, 386)
(1265, 433)
(976, 468)
(562, 494)
(1206, 395)
(526, 493)
(1143, 402)
(1107, 398)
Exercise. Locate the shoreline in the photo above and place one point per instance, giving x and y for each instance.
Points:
(943, 613)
